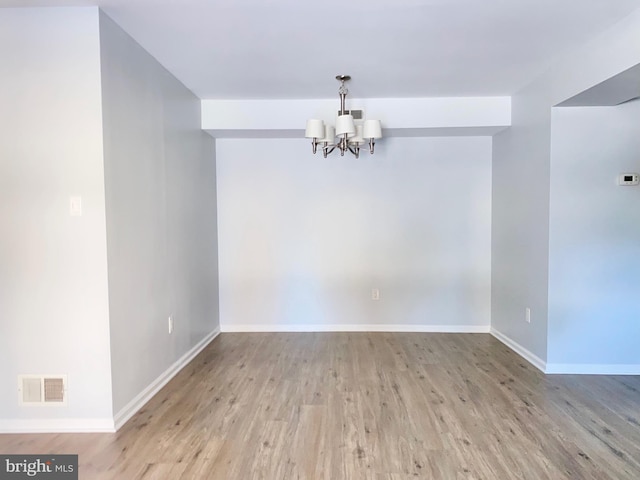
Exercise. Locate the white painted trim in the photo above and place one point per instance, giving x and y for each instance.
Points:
(520, 350)
(57, 425)
(95, 425)
(355, 328)
(130, 409)
(450, 113)
(592, 369)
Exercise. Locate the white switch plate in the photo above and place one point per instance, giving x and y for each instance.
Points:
(375, 294)
(527, 315)
(75, 206)
(170, 324)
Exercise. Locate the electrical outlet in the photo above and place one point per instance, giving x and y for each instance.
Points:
(527, 315)
(375, 294)
(75, 206)
(170, 324)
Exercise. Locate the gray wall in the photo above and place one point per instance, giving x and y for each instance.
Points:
(522, 179)
(304, 239)
(161, 215)
(520, 224)
(54, 316)
(594, 277)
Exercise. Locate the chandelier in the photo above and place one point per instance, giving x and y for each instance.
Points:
(346, 135)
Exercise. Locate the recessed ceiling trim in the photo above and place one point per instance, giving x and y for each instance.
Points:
(616, 90)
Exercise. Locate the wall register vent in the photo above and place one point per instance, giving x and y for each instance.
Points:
(47, 390)
(356, 114)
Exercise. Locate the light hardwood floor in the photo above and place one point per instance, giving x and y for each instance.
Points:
(375, 406)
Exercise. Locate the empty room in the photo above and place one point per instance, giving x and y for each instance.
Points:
(370, 240)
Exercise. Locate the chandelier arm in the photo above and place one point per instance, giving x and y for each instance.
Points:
(343, 145)
(328, 149)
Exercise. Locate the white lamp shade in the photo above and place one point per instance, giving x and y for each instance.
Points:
(344, 124)
(329, 134)
(357, 137)
(372, 129)
(315, 129)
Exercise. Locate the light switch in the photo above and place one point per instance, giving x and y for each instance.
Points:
(75, 206)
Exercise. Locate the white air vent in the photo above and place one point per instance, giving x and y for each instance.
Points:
(42, 389)
(31, 390)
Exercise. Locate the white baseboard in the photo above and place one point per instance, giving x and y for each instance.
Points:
(520, 350)
(131, 408)
(95, 425)
(592, 369)
(355, 328)
(57, 425)
(566, 368)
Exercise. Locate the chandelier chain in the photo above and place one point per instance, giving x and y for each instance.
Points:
(343, 89)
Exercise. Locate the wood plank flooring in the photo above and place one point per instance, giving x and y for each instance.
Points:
(374, 406)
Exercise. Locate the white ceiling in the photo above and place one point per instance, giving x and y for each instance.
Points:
(391, 48)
